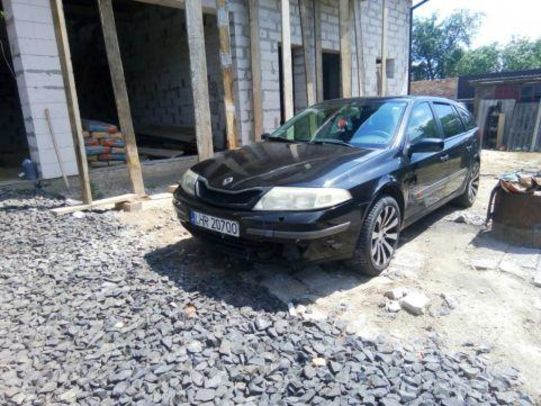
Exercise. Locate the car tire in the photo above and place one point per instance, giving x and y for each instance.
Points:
(467, 199)
(376, 245)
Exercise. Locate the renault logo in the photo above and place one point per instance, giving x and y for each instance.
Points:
(227, 181)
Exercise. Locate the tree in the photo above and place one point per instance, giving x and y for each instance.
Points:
(521, 54)
(438, 46)
(481, 60)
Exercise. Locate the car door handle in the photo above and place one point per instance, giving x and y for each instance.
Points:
(444, 158)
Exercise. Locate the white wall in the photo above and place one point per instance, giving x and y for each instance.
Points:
(39, 79)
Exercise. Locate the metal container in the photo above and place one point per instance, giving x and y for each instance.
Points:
(516, 218)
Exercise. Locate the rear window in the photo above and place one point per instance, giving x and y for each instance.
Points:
(467, 118)
(449, 119)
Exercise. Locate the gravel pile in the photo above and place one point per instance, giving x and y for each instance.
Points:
(89, 317)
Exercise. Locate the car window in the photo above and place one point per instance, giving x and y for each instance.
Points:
(369, 124)
(421, 123)
(467, 118)
(303, 126)
(449, 119)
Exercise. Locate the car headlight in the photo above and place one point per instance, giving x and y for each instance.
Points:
(188, 181)
(299, 198)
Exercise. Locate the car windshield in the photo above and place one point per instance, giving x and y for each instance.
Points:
(363, 123)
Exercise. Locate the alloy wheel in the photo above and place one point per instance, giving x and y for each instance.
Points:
(385, 236)
(473, 185)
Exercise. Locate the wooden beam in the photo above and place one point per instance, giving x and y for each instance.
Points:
(309, 63)
(198, 68)
(287, 67)
(357, 21)
(318, 50)
(121, 94)
(255, 57)
(537, 126)
(383, 82)
(345, 47)
(103, 203)
(209, 6)
(61, 34)
(501, 130)
(226, 62)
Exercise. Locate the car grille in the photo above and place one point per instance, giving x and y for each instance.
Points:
(244, 199)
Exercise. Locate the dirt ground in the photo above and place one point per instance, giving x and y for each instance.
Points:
(498, 306)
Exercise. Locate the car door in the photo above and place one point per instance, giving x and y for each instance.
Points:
(426, 178)
(457, 141)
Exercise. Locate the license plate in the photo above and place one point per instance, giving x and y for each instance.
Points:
(217, 224)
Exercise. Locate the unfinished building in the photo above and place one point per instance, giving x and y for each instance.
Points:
(183, 77)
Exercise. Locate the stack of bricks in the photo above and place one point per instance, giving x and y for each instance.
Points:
(104, 144)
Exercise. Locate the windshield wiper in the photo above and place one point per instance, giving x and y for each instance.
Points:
(332, 141)
(280, 139)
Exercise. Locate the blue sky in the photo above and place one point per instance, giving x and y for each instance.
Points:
(503, 18)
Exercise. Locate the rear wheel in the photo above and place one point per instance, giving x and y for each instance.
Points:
(378, 238)
(467, 199)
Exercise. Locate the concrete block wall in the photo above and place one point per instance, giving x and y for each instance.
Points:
(157, 68)
(397, 43)
(39, 79)
(270, 38)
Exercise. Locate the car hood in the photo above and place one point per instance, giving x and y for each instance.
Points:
(268, 164)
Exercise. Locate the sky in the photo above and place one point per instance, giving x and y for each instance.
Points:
(503, 18)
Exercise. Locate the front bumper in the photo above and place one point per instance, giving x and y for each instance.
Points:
(311, 236)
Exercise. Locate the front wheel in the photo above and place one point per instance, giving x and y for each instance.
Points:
(378, 238)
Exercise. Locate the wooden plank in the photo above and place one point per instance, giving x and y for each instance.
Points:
(121, 94)
(176, 133)
(359, 54)
(537, 126)
(383, 90)
(161, 152)
(308, 50)
(501, 130)
(64, 52)
(318, 50)
(226, 62)
(345, 47)
(198, 68)
(255, 63)
(110, 201)
(287, 66)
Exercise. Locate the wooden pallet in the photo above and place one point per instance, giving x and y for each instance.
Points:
(522, 127)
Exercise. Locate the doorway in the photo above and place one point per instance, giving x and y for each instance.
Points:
(13, 141)
(332, 85)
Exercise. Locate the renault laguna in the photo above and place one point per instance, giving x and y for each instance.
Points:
(338, 181)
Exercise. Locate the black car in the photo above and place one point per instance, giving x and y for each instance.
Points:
(336, 182)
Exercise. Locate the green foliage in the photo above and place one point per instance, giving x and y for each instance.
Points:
(442, 49)
(439, 46)
(521, 54)
(481, 60)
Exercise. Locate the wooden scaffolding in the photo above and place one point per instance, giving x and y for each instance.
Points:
(349, 16)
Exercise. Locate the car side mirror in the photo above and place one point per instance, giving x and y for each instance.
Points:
(265, 136)
(427, 145)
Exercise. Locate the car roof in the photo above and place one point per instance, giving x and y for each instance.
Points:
(408, 99)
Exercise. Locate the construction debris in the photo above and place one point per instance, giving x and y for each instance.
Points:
(415, 303)
(522, 182)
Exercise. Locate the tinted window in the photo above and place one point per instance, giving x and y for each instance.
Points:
(421, 123)
(449, 119)
(467, 119)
